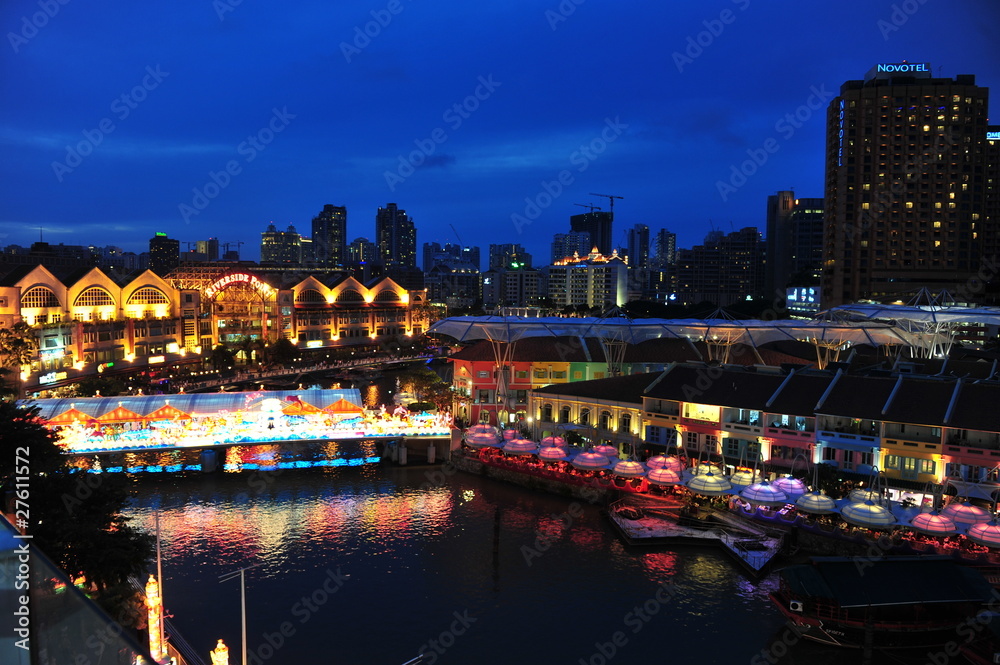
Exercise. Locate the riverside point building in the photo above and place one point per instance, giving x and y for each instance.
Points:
(910, 188)
(86, 322)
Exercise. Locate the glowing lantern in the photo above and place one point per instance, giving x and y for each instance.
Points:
(154, 619)
(220, 654)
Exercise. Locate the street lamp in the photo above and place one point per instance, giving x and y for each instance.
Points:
(243, 600)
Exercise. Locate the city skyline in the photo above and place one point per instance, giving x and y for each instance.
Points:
(259, 117)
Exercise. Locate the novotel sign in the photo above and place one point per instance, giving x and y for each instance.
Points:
(887, 69)
(993, 136)
(235, 277)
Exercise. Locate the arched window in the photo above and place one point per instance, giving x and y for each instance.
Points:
(584, 416)
(94, 296)
(311, 297)
(546, 413)
(147, 295)
(564, 414)
(605, 420)
(39, 296)
(350, 295)
(625, 422)
(387, 295)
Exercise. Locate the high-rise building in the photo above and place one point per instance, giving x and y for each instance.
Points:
(638, 246)
(283, 247)
(505, 255)
(778, 242)
(907, 197)
(455, 283)
(598, 225)
(361, 251)
(396, 238)
(434, 254)
(329, 236)
(164, 254)
(210, 248)
(724, 270)
(664, 249)
(593, 280)
(565, 245)
(517, 286)
(794, 242)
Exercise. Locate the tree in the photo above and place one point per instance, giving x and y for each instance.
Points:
(249, 347)
(106, 386)
(282, 352)
(18, 348)
(75, 518)
(426, 386)
(222, 356)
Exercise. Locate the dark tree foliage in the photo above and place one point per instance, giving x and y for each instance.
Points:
(75, 518)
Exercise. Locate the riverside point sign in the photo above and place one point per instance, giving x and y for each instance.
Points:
(226, 280)
(888, 69)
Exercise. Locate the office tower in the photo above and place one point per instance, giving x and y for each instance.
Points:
(434, 254)
(565, 245)
(284, 247)
(362, 251)
(396, 238)
(664, 249)
(779, 242)
(638, 246)
(454, 282)
(503, 256)
(164, 254)
(517, 286)
(593, 280)
(210, 248)
(806, 258)
(725, 269)
(598, 225)
(329, 237)
(906, 189)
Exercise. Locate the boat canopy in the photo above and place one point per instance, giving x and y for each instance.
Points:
(852, 582)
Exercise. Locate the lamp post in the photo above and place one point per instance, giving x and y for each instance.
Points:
(243, 600)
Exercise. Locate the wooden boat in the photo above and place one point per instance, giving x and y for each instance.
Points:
(892, 602)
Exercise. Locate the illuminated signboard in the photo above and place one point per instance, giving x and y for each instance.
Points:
(156, 359)
(886, 70)
(840, 135)
(52, 377)
(235, 277)
(993, 136)
(802, 298)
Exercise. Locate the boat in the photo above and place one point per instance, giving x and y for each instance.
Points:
(899, 602)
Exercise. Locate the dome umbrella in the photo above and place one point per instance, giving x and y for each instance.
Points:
(510, 434)
(868, 515)
(629, 469)
(745, 478)
(552, 454)
(933, 523)
(663, 477)
(666, 462)
(862, 495)
(817, 503)
(590, 461)
(710, 484)
(608, 451)
(764, 494)
(966, 513)
(554, 441)
(985, 533)
(482, 440)
(792, 487)
(520, 447)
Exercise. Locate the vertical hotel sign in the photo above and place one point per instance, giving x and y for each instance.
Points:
(840, 133)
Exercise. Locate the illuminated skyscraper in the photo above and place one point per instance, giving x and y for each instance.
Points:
(907, 163)
(396, 237)
(329, 236)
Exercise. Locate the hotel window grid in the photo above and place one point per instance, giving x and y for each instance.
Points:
(94, 296)
(148, 295)
(39, 296)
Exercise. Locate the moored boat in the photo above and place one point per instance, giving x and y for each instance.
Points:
(892, 602)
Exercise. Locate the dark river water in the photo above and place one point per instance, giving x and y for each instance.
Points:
(377, 564)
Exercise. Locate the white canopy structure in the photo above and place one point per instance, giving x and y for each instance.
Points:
(720, 335)
(930, 319)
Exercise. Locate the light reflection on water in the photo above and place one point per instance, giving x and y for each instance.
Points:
(417, 554)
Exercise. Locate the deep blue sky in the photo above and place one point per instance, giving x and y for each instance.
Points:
(221, 79)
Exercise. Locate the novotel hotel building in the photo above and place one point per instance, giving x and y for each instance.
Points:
(910, 188)
(87, 321)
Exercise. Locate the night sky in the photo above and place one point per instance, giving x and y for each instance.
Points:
(199, 119)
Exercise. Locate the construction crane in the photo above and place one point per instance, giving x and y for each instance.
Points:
(612, 198)
(227, 245)
(457, 237)
(588, 205)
